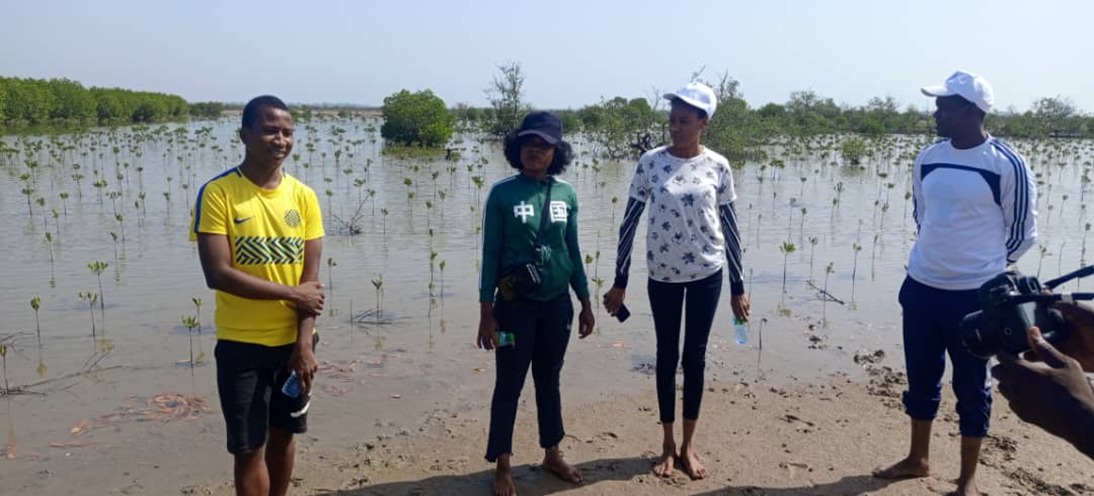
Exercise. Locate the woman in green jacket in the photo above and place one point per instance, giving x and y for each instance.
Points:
(530, 259)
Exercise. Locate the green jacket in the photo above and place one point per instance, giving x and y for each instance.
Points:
(510, 223)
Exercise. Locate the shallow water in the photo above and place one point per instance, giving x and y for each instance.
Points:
(419, 358)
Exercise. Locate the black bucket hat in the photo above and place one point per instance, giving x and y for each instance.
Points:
(543, 124)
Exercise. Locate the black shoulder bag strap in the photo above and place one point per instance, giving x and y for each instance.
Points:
(546, 212)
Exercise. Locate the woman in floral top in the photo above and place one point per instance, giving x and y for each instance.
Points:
(691, 237)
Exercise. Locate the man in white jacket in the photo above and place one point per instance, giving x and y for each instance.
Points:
(974, 208)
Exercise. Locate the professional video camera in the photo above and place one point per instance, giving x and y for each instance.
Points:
(1011, 303)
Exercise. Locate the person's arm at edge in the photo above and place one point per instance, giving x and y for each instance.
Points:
(313, 253)
(918, 205)
(733, 247)
(627, 229)
(1019, 207)
(579, 281)
(305, 321)
(492, 234)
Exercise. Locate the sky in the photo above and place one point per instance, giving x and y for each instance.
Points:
(573, 52)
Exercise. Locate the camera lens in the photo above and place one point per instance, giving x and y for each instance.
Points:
(976, 336)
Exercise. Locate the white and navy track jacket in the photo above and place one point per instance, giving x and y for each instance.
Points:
(975, 211)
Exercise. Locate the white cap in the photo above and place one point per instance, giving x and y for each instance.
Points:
(966, 85)
(697, 95)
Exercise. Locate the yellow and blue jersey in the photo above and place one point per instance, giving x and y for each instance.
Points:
(266, 230)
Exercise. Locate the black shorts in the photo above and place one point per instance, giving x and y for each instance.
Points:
(249, 380)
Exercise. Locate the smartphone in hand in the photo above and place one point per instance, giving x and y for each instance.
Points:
(623, 314)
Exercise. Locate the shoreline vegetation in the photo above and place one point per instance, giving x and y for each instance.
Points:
(621, 127)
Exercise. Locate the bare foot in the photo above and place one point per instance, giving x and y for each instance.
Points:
(691, 464)
(908, 468)
(665, 464)
(554, 463)
(503, 483)
(966, 488)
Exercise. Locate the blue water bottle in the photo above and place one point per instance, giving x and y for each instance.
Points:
(291, 388)
(740, 330)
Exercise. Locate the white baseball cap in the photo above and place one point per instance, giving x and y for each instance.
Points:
(966, 85)
(697, 95)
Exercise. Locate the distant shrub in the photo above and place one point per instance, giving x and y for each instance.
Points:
(419, 118)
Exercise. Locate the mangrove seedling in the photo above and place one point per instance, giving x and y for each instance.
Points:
(191, 323)
(854, 267)
(28, 191)
(432, 262)
(4, 360)
(787, 248)
(1040, 261)
(824, 305)
(49, 242)
(812, 251)
(801, 229)
(378, 284)
(1082, 253)
(91, 298)
(114, 237)
(442, 265)
(36, 304)
(121, 225)
(330, 276)
(97, 268)
(197, 307)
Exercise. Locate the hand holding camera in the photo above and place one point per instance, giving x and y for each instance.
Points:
(1055, 395)
(1080, 341)
(1012, 303)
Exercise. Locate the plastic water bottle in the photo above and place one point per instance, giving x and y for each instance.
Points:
(291, 388)
(505, 338)
(740, 330)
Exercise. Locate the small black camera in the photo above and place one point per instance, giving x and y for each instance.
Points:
(1010, 304)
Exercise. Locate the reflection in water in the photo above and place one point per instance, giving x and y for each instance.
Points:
(9, 447)
(4, 362)
(91, 369)
(104, 346)
(41, 369)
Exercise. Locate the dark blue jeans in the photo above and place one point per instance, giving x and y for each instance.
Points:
(542, 332)
(931, 319)
(699, 300)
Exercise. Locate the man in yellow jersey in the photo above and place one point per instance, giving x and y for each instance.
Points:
(259, 233)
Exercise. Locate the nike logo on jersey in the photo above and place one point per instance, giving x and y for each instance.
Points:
(240, 220)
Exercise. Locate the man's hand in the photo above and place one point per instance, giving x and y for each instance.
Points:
(741, 306)
(1080, 340)
(613, 300)
(487, 327)
(308, 297)
(1055, 395)
(302, 360)
(586, 322)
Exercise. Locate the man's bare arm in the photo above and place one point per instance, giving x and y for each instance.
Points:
(216, 263)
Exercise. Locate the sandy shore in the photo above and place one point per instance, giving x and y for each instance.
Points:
(801, 439)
